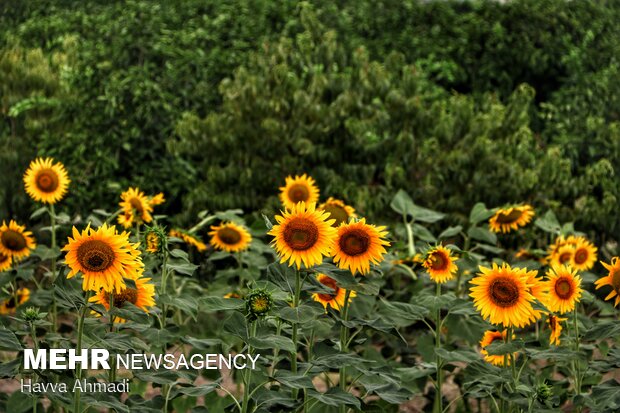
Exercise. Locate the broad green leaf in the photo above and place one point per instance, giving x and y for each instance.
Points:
(209, 304)
(272, 342)
(482, 234)
(9, 341)
(451, 232)
(479, 213)
(548, 223)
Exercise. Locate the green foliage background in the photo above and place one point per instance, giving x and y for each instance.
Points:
(215, 102)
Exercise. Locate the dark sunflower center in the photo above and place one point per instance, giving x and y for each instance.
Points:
(47, 180)
(95, 255)
(495, 338)
(137, 205)
(504, 292)
(10, 303)
(438, 261)
(13, 240)
(338, 213)
(354, 242)
(563, 288)
(229, 236)
(301, 234)
(127, 295)
(564, 257)
(510, 217)
(581, 256)
(615, 280)
(329, 283)
(298, 193)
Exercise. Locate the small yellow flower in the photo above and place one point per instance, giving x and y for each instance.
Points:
(439, 264)
(511, 218)
(46, 181)
(9, 306)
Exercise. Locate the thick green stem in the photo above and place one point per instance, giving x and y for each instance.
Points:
(438, 407)
(294, 326)
(78, 350)
(410, 238)
(344, 333)
(248, 374)
(577, 367)
(112, 373)
(54, 312)
(33, 333)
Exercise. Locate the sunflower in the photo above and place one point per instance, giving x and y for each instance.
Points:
(303, 235)
(511, 218)
(338, 210)
(440, 264)
(359, 244)
(556, 328)
(563, 256)
(564, 289)
(189, 239)
(584, 255)
(137, 207)
(153, 245)
(46, 181)
(335, 299)
(230, 237)
(143, 297)
(489, 337)
(502, 296)
(8, 306)
(15, 241)
(5, 262)
(104, 258)
(299, 189)
(612, 279)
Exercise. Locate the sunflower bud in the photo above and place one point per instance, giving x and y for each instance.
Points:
(543, 392)
(258, 303)
(31, 314)
(155, 240)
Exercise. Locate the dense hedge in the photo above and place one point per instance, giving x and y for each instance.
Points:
(435, 102)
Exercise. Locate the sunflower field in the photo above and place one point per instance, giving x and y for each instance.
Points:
(265, 206)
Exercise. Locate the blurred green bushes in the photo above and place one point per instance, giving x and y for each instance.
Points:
(215, 102)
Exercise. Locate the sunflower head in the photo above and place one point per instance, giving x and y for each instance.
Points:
(9, 306)
(155, 240)
(556, 328)
(584, 255)
(502, 296)
(439, 264)
(338, 211)
(258, 303)
(335, 298)
(511, 218)
(489, 337)
(298, 189)
(137, 208)
(104, 257)
(15, 241)
(358, 245)
(563, 287)
(142, 296)
(189, 239)
(230, 237)
(303, 234)
(612, 279)
(46, 181)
